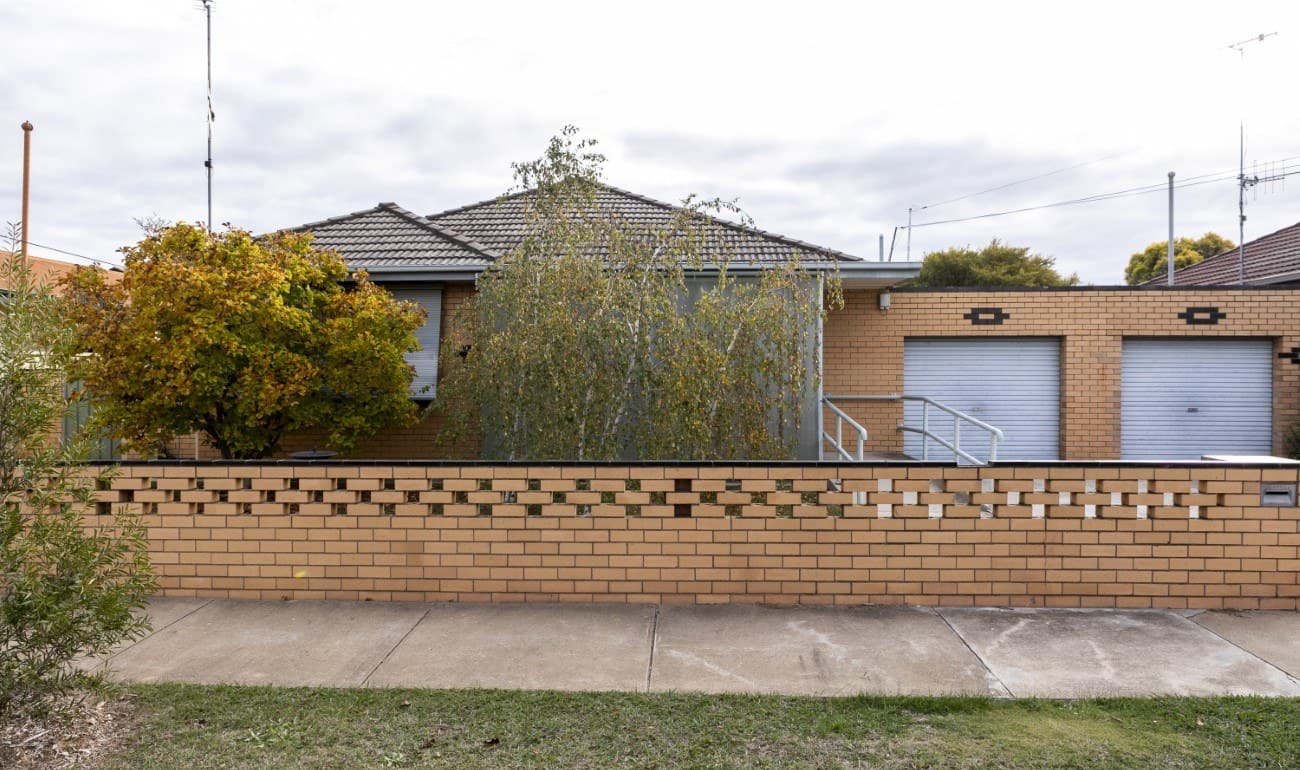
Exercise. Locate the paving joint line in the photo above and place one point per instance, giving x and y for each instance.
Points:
(1259, 658)
(154, 632)
(366, 679)
(654, 638)
(987, 668)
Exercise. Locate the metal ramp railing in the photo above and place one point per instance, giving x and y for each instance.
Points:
(837, 441)
(995, 435)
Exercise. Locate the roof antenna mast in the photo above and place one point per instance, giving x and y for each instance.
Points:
(207, 12)
(1242, 182)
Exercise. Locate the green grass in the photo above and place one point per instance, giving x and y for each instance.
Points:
(248, 727)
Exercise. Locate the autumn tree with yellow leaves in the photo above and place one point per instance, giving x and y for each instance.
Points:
(242, 338)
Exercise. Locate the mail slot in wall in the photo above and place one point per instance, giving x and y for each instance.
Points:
(1277, 495)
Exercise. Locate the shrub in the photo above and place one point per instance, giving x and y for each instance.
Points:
(1291, 442)
(66, 590)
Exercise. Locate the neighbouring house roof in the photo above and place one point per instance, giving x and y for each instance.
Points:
(500, 224)
(1273, 258)
(389, 238)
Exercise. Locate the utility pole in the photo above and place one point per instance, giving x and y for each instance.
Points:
(27, 178)
(207, 11)
(1171, 228)
(1242, 181)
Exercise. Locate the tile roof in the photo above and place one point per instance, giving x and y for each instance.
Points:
(499, 224)
(1273, 258)
(388, 237)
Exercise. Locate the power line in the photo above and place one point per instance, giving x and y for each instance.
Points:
(1019, 181)
(96, 260)
(1073, 202)
(1193, 181)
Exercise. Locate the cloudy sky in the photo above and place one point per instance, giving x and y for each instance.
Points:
(825, 120)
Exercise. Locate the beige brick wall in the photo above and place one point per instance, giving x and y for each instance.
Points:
(1189, 536)
(864, 347)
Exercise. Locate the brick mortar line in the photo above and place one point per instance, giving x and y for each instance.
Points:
(978, 657)
(366, 679)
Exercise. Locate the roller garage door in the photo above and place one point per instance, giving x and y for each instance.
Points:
(1184, 398)
(1013, 383)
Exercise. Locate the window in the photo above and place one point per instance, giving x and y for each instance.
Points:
(425, 383)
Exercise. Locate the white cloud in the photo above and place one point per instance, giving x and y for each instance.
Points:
(827, 120)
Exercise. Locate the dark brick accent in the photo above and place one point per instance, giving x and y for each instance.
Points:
(986, 316)
(1292, 355)
(1202, 316)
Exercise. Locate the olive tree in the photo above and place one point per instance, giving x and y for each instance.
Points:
(68, 587)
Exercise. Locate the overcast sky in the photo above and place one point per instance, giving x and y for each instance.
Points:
(825, 120)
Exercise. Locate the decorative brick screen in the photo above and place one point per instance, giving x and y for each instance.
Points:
(1066, 535)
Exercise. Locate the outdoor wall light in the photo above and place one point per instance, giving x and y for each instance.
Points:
(885, 300)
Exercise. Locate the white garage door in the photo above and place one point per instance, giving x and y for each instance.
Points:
(1013, 383)
(1190, 397)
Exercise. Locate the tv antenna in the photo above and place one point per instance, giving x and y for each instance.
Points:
(207, 12)
(1244, 182)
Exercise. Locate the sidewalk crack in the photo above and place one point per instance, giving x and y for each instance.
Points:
(1251, 653)
(366, 680)
(155, 631)
(654, 638)
(988, 670)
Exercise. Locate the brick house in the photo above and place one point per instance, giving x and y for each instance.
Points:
(435, 259)
(1085, 373)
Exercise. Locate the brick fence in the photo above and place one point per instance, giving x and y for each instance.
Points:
(1066, 535)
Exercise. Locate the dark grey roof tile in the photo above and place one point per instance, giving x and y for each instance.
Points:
(1267, 259)
(499, 224)
(388, 236)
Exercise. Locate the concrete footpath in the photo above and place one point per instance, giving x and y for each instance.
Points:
(803, 651)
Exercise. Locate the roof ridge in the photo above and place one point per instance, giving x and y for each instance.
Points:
(436, 229)
(410, 216)
(747, 229)
(477, 204)
(736, 226)
(335, 219)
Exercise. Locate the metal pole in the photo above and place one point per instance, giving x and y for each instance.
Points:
(1241, 210)
(27, 178)
(207, 10)
(925, 430)
(821, 369)
(882, 247)
(1171, 228)
(909, 233)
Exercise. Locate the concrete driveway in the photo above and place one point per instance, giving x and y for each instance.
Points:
(792, 650)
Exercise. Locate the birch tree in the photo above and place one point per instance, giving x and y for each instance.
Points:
(598, 338)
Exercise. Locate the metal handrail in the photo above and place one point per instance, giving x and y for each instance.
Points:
(996, 436)
(837, 441)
